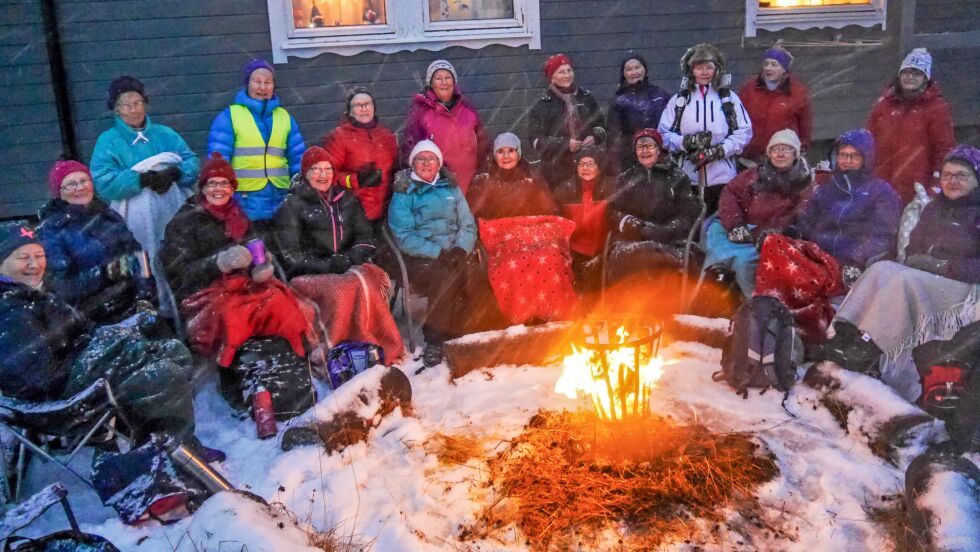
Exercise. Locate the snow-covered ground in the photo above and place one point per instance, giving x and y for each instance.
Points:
(391, 493)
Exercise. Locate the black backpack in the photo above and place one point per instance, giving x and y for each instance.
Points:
(763, 349)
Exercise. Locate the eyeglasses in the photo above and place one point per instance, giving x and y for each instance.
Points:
(425, 160)
(647, 147)
(588, 164)
(131, 106)
(217, 186)
(364, 105)
(321, 170)
(781, 149)
(850, 156)
(74, 185)
(961, 177)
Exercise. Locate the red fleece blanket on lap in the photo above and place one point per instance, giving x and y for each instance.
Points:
(233, 309)
(805, 278)
(530, 266)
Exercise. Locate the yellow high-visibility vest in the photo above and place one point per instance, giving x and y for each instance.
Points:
(254, 161)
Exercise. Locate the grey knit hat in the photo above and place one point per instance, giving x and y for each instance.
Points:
(507, 140)
(437, 65)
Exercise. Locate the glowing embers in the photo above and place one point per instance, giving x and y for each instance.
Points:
(616, 368)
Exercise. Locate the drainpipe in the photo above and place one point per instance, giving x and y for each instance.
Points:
(59, 79)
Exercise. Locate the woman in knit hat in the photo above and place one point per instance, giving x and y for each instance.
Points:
(91, 254)
(261, 140)
(366, 153)
(776, 100)
(912, 125)
(638, 104)
(564, 119)
(441, 114)
(327, 245)
(433, 227)
(762, 199)
(142, 168)
(227, 292)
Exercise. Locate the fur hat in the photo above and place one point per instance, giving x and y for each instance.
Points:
(14, 235)
(426, 145)
(437, 65)
(778, 53)
(257, 63)
(920, 59)
(60, 170)
(648, 133)
(123, 84)
(553, 63)
(700, 53)
(968, 155)
(216, 165)
(507, 140)
(785, 137)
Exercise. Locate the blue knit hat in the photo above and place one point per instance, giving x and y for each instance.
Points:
(863, 141)
(968, 155)
(14, 235)
(257, 63)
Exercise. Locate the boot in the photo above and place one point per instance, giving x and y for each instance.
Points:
(852, 349)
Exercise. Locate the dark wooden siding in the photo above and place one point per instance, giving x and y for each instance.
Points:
(29, 136)
(190, 54)
(946, 16)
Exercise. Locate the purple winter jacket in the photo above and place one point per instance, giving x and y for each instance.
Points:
(950, 229)
(457, 131)
(635, 107)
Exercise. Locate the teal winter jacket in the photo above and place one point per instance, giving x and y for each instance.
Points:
(428, 218)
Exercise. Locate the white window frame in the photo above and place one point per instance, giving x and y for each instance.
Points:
(407, 29)
(774, 19)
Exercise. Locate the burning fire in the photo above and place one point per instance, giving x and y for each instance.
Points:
(617, 376)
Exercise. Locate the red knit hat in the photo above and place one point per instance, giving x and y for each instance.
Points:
(314, 155)
(60, 170)
(218, 166)
(554, 62)
(649, 133)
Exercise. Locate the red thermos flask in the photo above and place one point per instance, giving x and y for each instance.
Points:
(265, 417)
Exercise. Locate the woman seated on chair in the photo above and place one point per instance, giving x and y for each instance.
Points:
(584, 200)
(226, 294)
(327, 243)
(526, 241)
(892, 308)
(434, 229)
(764, 198)
(91, 254)
(651, 212)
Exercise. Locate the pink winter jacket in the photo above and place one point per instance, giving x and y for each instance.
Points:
(458, 132)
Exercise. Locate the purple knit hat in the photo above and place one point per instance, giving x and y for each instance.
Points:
(968, 155)
(257, 63)
(864, 142)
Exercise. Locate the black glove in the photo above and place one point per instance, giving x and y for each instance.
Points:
(160, 181)
(338, 263)
(762, 237)
(928, 263)
(360, 254)
(740, 234)
(697, 141)
(457, 256)
(120, 268)
(369, 177)
(849, 275)
(708, 155)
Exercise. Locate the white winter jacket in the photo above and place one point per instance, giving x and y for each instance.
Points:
(703, 112)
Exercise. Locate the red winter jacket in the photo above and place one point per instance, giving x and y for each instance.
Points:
(354, 147)
(458, 132)
(912, 135)
(765, 203)
(788, 106)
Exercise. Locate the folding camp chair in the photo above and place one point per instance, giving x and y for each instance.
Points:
(25, 514)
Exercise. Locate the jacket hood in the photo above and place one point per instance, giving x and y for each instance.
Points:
(403, 182)
(255, 106)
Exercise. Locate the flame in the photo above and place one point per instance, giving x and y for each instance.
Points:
(615, 395)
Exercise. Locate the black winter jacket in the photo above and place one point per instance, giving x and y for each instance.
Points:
(549, 135)
(653, 204)
(40, 336)
(309, 228)
(191, 244)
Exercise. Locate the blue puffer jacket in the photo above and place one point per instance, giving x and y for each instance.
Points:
(121, 147)
(222, 136)
(428, 218)
(79, 242)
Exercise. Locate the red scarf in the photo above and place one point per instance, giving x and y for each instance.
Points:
(236, 223)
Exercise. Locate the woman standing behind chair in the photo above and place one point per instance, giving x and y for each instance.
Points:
(91, 255)
(366, 153)
(441, 114)
(564, 119)
(261, 140)
(327, 243)
(776, 100)
(638, 104)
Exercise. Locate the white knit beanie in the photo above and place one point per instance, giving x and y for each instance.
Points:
(435, 66)
(426, 145)
(785, 137)
(920, 59)
(507, 140)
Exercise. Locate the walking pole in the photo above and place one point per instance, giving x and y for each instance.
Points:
(702, 184)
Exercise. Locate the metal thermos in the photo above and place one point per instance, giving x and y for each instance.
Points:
(186, 460)
(265, 416)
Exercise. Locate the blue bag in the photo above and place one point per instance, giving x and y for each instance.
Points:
(350, 358)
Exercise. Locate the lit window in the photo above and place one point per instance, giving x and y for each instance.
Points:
(773, 15)
(305, 28)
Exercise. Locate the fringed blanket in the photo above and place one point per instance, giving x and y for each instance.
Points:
(901, 308)
(224, 315)
(354, 307)
(530, 266)
(805, 278)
